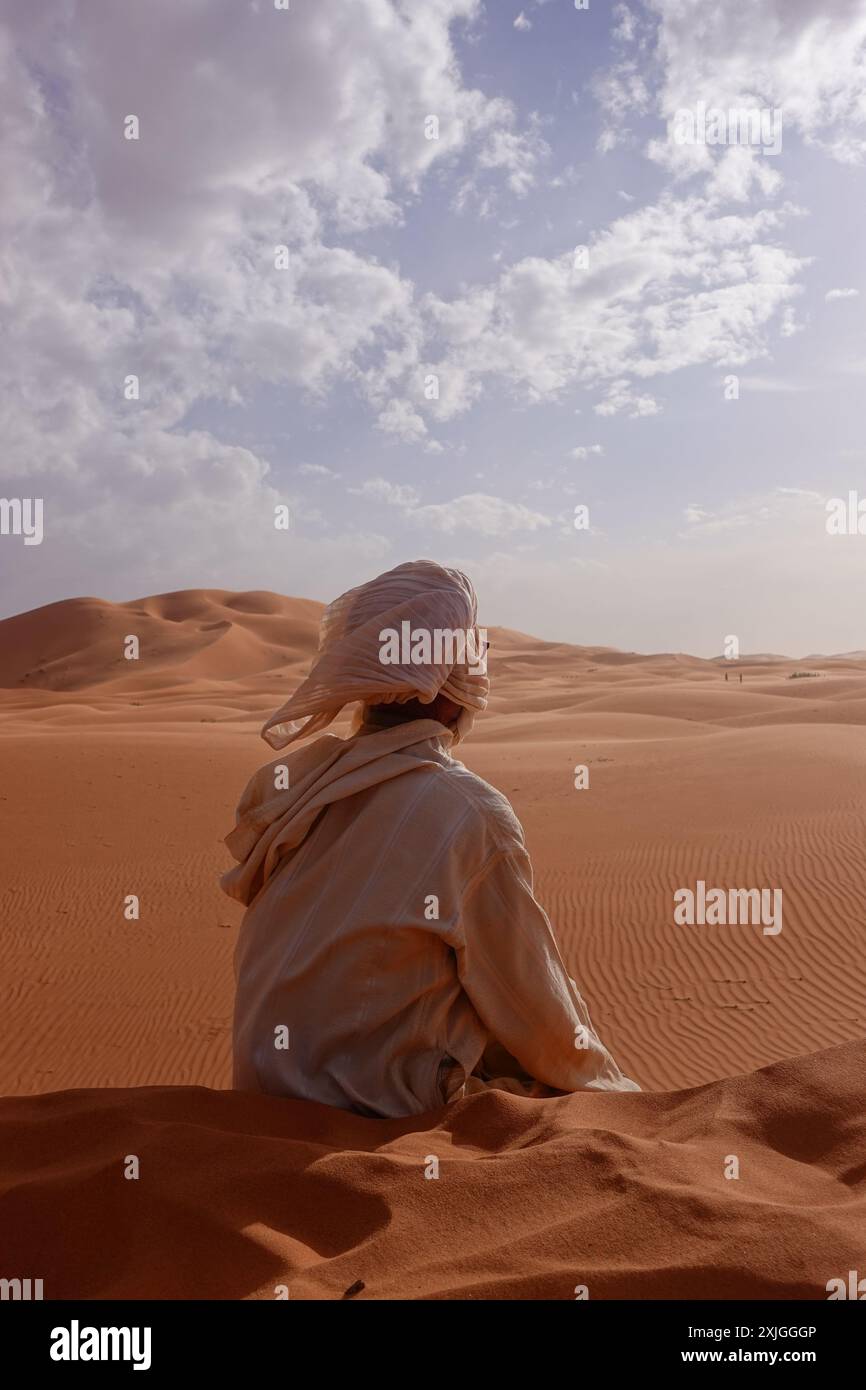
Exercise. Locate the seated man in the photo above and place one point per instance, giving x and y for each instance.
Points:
(393, 956)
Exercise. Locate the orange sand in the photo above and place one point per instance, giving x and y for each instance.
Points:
(121, 777)
(623, 1194)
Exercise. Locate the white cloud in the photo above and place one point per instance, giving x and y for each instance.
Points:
(670, 285)
(218, 98)
(316, 470)
(583, 451)
(841, 294)
(622, 92)
(625, 27)
(621, 399)
(398, 418)
(764, 512)
(394, 494)
(738, 172)
(517, 154)
(481, 513)
(156, 257)
(522, 23)
(806, 62)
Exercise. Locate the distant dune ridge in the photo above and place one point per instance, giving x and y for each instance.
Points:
(121, 777)
(212, 641)
(210, 633)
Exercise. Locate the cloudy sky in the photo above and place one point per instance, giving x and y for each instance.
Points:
(508, 289)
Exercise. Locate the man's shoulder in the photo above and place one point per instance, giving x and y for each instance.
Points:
(487, 807)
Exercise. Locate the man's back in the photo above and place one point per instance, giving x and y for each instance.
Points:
(350, 946)
(397, 935)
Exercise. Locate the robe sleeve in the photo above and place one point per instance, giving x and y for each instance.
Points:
(510, 968)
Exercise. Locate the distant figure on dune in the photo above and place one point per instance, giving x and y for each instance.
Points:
(393, 957)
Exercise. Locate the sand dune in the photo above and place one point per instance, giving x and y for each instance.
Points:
(620, 1195)
(121, 777)
(79, 643)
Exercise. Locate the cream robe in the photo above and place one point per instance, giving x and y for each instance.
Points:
(392, 936)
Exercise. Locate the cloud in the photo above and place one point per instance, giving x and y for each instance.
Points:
(306, 129)
(394, 494)
(480, 513)
(169, 241)
(764, 512)
(739, 171)
(841, 294)
(522, 23)
(316, 470)
(219, 90)
(670, 285)
(623, 93)
(477, 511)
(621, 399)
(807, 63)
(622, 90)
(158, 258)
(516, 154)
(583, 451)
(398, 418)
(625, 27)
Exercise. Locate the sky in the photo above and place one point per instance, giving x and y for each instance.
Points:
(431, 276)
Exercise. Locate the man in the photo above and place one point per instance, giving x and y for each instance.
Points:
(393, 956)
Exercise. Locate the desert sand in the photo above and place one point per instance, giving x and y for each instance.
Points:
(120, 777)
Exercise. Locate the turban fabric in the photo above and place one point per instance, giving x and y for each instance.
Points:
(355, 663)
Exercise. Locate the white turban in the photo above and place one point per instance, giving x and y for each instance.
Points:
(431, 613)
